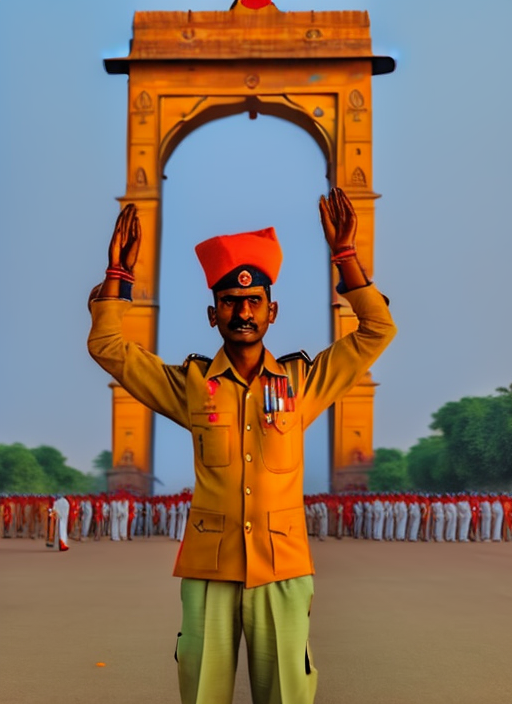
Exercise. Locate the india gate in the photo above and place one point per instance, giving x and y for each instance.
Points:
(185, 69)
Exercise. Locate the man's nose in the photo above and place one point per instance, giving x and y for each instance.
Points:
(244, 309)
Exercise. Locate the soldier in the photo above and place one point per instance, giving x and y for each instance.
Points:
(86, 517)
(414, 518)
(245, 559)
(378, 518)
(474, 503)
(172, 518)
(497, 519)
(438, 518)
(60, 511)
(425, 517)
(367, 516)
(358, 517)
(97, 517)
(506, 500)
(389, 517)
(450, 519)
(123, 508)
(463, 518)
(400, 509)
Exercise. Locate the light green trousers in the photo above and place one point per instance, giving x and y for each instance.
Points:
(275, 621)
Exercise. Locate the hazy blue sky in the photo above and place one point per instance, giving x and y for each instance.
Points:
(442, 155)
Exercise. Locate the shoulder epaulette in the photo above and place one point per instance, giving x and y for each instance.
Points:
(302, 356)
(197, 358)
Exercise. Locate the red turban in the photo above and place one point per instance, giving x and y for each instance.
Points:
(258, 250)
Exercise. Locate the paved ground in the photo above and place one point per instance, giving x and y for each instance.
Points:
(392, 623)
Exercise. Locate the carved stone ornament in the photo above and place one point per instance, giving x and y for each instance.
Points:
(140, 177)
(143, 102)
(356, 102)
(358, 178)
(252, 80)
(356, 99)
(143, 106)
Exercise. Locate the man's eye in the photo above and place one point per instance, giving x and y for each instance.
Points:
(254, 300)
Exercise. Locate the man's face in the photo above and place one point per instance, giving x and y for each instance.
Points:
(242, 314)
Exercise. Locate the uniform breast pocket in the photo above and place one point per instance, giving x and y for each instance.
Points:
(281, 442)
(212, 439)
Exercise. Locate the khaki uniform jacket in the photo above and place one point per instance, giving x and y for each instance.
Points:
(247, 521)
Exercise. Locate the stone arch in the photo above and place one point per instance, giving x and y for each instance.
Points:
(185, 69)
(207, 109)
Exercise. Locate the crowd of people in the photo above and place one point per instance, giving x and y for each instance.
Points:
(364, 515)
(461, 517)
(119, 516)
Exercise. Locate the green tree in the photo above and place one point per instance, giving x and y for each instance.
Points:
(478, 440)
(389, 470)
(427, 468)
(20, 472)
(102, 463)
(62, 479)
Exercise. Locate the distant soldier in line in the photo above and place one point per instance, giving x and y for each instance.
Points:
(367, 518)
(74, 517)
(497, 519)
(378, 518)
(358, 518)
(60, 514)
(172, 519)
(389, 518)
(97, 517)
(86, 517)
(438, 519)
(122, 516)
(450, 519)
(400, 518)
(413, 518)
(114, 520)
(426, 518)
(474, 504)
(463, 518)
(507, 517)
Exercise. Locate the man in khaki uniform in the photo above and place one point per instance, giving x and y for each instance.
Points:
(245, 559)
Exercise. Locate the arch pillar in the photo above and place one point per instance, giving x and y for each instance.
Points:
(186, 69)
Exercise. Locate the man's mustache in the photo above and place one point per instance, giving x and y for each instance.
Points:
(237, 323)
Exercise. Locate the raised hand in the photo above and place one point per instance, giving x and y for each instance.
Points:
(339, 220)
(125, 242)
(122, 256)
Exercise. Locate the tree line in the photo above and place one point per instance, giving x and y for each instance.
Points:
(469, 450)
(43, 470)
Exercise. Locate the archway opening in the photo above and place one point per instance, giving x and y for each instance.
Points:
(232, 175)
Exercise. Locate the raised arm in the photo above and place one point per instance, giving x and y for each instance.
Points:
(335, 370)
(339, 221)
(140, 372)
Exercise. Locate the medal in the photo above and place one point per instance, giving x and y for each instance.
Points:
(209, 406)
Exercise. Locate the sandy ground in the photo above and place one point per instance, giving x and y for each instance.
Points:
(392, 623)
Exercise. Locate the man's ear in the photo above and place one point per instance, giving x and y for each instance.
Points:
(212, 316)
(273, 308)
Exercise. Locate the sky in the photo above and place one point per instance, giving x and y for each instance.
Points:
(442, 149)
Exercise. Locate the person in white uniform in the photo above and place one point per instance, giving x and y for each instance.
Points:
(497, 519)
(450, 519)
(60, 509)
(438, 519)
